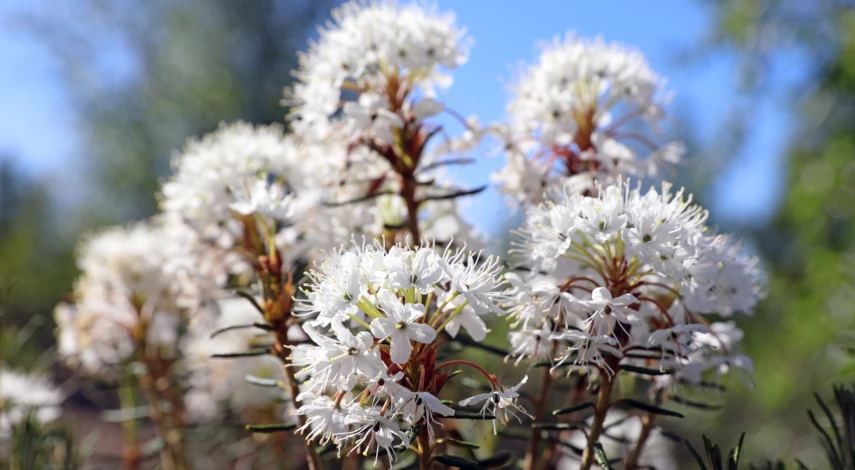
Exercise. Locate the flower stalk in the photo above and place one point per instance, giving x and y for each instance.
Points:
(601, 409)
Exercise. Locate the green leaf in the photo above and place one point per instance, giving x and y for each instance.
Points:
(253, 353)
(474, 416)
(459, 443)
(500, 459)
(696, 455)
(269, 428)
(643, 370)
(600, 457)
(251, 298)
(261, 326)
(695, 404)
(573, 409)
(650, 408)
(453, 461)
(733, 457)
(556, 426)
(261, 382)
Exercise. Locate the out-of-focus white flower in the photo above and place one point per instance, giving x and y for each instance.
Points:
(128, 293)
(219, 386)
(563, 125)
(22, 394)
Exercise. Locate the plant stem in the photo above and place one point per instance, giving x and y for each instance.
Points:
(293, 390)
(646, 429)
(539, 404)
(169, 426)
(425, 456)
(601, 408)
(130, 445)
(408, 192)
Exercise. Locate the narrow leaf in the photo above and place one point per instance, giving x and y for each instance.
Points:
(474, 416)
(733, 458)
(600, 457)
(459, 443)
(556, 426)
(696, 455)
(650, 408)
(500, 459)
(573, 409)
(257, 352)
(695, 404)
(261, 382)
(643, 370)
(453, 461)
(268, 428)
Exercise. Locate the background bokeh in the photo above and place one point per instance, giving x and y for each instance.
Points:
(96, 94)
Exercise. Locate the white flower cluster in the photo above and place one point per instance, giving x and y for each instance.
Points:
(21, 394)
(624, 278)
(383, 52)
(127, 295)
(567, 114)
(234, 176)
(375, 316)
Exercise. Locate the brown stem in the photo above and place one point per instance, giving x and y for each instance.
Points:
(293, 390)
(579, 389)
(539, 404)
(408, 192)
(169, 426)
(425, 457)
(601, 408)
(646, 429)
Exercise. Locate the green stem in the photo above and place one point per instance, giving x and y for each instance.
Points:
(127, 399)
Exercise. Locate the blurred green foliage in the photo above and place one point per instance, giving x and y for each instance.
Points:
(799, 336)
(141, 77)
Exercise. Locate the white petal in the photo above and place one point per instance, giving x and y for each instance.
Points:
(420, 332)
(400, 349)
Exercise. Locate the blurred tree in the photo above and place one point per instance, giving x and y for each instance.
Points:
(799, 333)
(143, 76)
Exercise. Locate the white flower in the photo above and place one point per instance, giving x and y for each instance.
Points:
(587, 349)
(128, 280)
(401, 326)
(21, 394)
(368, 46)
(265, 199)
(424, 405)
(467, 318)
(324, 419)
(501, 403)
(478, 282)
(368, 428)
(343, 357)
(564, 102)
(407, 269)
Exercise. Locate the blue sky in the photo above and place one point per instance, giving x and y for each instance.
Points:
(37, 126)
